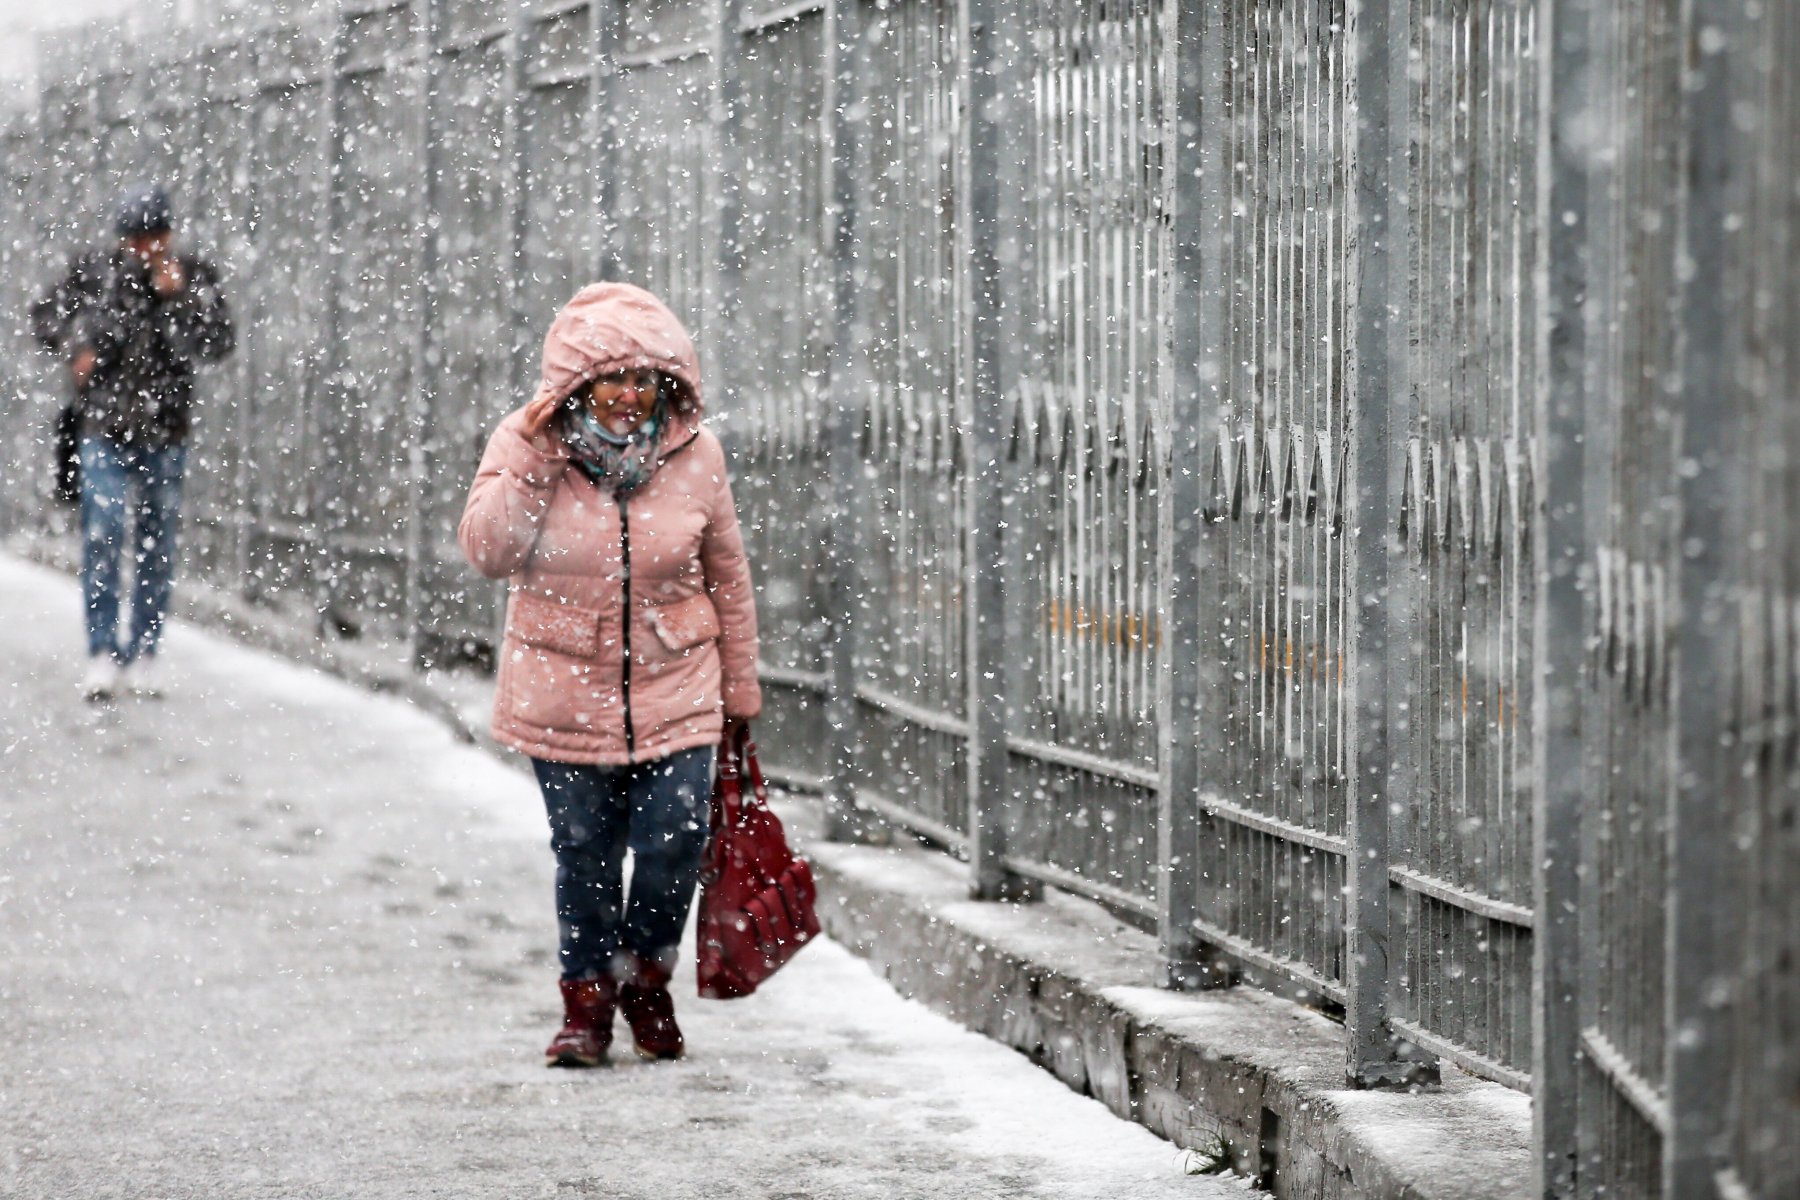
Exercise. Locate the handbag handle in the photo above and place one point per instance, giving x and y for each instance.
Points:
(728, 793)
(737, 759)
(730, 760)
(752, 767)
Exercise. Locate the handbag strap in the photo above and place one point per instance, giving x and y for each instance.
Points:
(752, 768)
(728, 791)
(730, 761)
(737, 761)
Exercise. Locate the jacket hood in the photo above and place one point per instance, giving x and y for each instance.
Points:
(611, 327)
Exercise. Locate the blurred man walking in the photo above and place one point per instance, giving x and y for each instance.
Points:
(132, 322)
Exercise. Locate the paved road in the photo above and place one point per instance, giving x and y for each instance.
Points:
(272, 937)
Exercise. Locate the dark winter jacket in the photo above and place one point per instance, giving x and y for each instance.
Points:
(145, 345)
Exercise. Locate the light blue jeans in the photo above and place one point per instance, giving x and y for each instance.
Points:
(135, 491)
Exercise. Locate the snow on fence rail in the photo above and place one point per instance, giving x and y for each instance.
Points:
(1314, 475)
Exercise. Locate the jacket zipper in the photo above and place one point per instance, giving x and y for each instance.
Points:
(625, 622)
(625, 577)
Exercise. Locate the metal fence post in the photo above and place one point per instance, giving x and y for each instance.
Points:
(1377, 32)
(328, 390)
(250, 214)
(1014, 71)
(518, 88)
(989, 106)
(1562, 618)
(521, 49)
(1190, 348)
(242, 89)
(608, 18)
(725, 272)
(1600, 422)
(1212, 317)
(422, 395)
(1702, 859)
(844, 412)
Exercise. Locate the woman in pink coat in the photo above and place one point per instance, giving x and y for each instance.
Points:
(630, 643)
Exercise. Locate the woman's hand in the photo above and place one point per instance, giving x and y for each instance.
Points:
(538, 416)
(733, 727)
(539, 413)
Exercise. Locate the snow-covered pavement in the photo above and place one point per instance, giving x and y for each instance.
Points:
(270, 936)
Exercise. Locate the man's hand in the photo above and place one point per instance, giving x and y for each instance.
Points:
(166, 275)
(82, 366)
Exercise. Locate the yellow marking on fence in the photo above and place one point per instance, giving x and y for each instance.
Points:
(1311, 661)
(1133, 631)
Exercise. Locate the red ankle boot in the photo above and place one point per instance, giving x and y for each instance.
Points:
(649, 1010)
(587, 1024)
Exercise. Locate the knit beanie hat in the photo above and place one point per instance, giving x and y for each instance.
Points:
(144, 209)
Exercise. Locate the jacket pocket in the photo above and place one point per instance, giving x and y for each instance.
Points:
(685, 623)
(552, 625)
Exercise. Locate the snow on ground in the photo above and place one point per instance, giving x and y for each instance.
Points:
(270, 936)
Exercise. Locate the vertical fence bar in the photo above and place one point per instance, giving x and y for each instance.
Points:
(1203, 284)
(845, 116)
(240, 207)
(608, 24)
(1010, 107)
(987, 87)
(1563, 617)
(1366, 923)
(519, 51)
(422, 395)
(1765, 1104)
(1189, 346)
(249, 203)
(329, 387)
(1596, 72)
(1404, 236)
(255, 334)
(727, 266)
(1702, 864)
(1377, 39)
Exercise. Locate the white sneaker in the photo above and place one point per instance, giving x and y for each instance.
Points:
(144, 677)
(101, 681)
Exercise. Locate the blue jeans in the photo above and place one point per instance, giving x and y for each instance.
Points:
(661, 811)
(121, 486)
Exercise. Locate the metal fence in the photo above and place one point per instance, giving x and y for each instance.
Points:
(1312, 475)
(1761, 781)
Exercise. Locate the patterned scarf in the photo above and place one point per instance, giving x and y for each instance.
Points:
(620, 464)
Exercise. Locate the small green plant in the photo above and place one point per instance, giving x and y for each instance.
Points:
(1213, 1158)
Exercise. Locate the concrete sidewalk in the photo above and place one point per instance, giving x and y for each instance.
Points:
(273, 936)
(1239, 1074)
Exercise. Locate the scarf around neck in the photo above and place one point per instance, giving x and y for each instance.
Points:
(619, 464)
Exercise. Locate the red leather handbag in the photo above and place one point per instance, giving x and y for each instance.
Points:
(757, 899)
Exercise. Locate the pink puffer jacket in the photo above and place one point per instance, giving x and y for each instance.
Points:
(601, 664)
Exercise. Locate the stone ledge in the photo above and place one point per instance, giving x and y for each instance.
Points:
(1072, 987)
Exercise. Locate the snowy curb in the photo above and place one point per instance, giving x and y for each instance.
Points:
(1071, 987)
